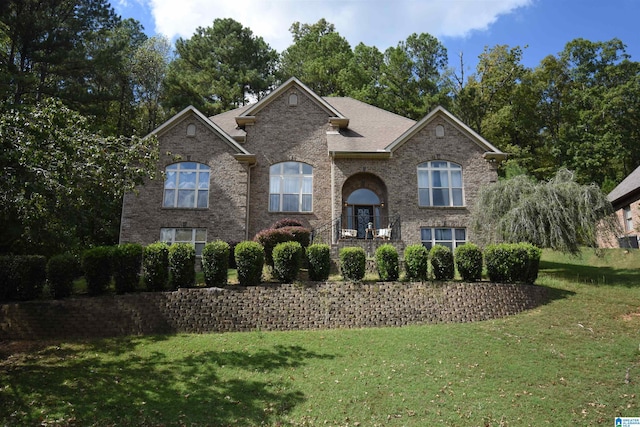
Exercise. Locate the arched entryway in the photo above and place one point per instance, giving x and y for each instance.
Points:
(364, 208)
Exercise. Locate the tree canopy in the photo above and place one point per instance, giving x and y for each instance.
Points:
(559, 213)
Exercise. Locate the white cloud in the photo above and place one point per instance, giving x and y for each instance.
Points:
(380, 23)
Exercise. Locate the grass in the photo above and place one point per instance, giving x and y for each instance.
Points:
(573, 361)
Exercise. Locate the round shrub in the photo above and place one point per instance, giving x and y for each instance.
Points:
(416, 261)
(62, 269)
(250, 260)
(155, 266)
(512, 262)
(441, 259)
(215, 263)
(468, 258)
(352, 263)
(387, 262)
(126, 264)
(287, 258)
(96, 265)
(182, 265)
(24, 276)
(319, 261)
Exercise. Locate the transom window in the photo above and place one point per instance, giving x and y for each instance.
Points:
(186, 185)
(291, 187)
(195, 236)
(449, 237)
(440, 184)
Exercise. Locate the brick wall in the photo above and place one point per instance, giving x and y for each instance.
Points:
(266, 307)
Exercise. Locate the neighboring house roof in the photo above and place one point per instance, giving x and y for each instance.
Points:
(627, 188)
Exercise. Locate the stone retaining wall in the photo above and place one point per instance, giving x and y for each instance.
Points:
(266, 307)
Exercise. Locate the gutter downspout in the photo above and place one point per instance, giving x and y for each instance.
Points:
(247, 207)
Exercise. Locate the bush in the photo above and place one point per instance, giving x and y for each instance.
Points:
(319, 261)
(270, 237)
(61, 271)
(215, 263)
(512, 262)
(250, 260)
(441, 259)
(287, 222)
(387, 262)
(126, 264)
(287, 258)
(155, 266)
(416, 261)
(96, 265)
(182, 265)
(24, 277)
(352, 263)
(468, 258)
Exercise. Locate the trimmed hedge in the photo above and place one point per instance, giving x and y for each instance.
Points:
(387, 262)
(287, 258)
(319, 261)
(249, 260)
(182, 265)
(468, 258)
(416, 260)
(22, 277)
(270, 237)
(287, 222)
(61, 271)
(155, 266)
(441, 259)
(126, 264)
(215, 263)
(353, 262)
(96, 265)
(512, 262)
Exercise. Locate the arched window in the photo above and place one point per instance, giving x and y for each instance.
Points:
(440, 184)
(186, 185)
(291, 187)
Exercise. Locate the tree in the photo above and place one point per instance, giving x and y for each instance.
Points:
(218, 68)
(317, 57)
(413, 76)
(559, 214)
(62, 185)
(360, 79)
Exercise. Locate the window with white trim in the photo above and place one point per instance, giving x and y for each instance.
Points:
(291, 187)
(195, 236)
(440, 184)
(186, 185)
(449, 237)
(628, 218)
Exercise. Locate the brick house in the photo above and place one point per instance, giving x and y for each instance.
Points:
(352, 172)
(625, 199)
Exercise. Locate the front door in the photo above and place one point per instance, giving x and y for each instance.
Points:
(364, 216)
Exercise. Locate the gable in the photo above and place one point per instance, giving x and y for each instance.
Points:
(490, 152)
(629, 187)
(191, 112)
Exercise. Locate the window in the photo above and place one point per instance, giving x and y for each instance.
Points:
(195, 236)
(440, 184)
(186, 185)
(449, 237)
(291, 187)
(628, 218)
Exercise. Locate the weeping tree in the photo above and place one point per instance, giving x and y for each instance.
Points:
(559, 214)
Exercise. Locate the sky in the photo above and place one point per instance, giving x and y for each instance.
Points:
(464, 27)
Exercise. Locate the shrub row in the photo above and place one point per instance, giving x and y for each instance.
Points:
(506, 263)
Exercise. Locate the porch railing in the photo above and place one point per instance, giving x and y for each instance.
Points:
(336, 229)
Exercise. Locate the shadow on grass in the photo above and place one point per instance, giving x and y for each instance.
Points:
(87, 385)
(592, 275)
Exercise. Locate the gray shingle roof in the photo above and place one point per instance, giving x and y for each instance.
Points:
(629, 185)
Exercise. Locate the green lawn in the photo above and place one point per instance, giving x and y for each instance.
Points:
(573, 361)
